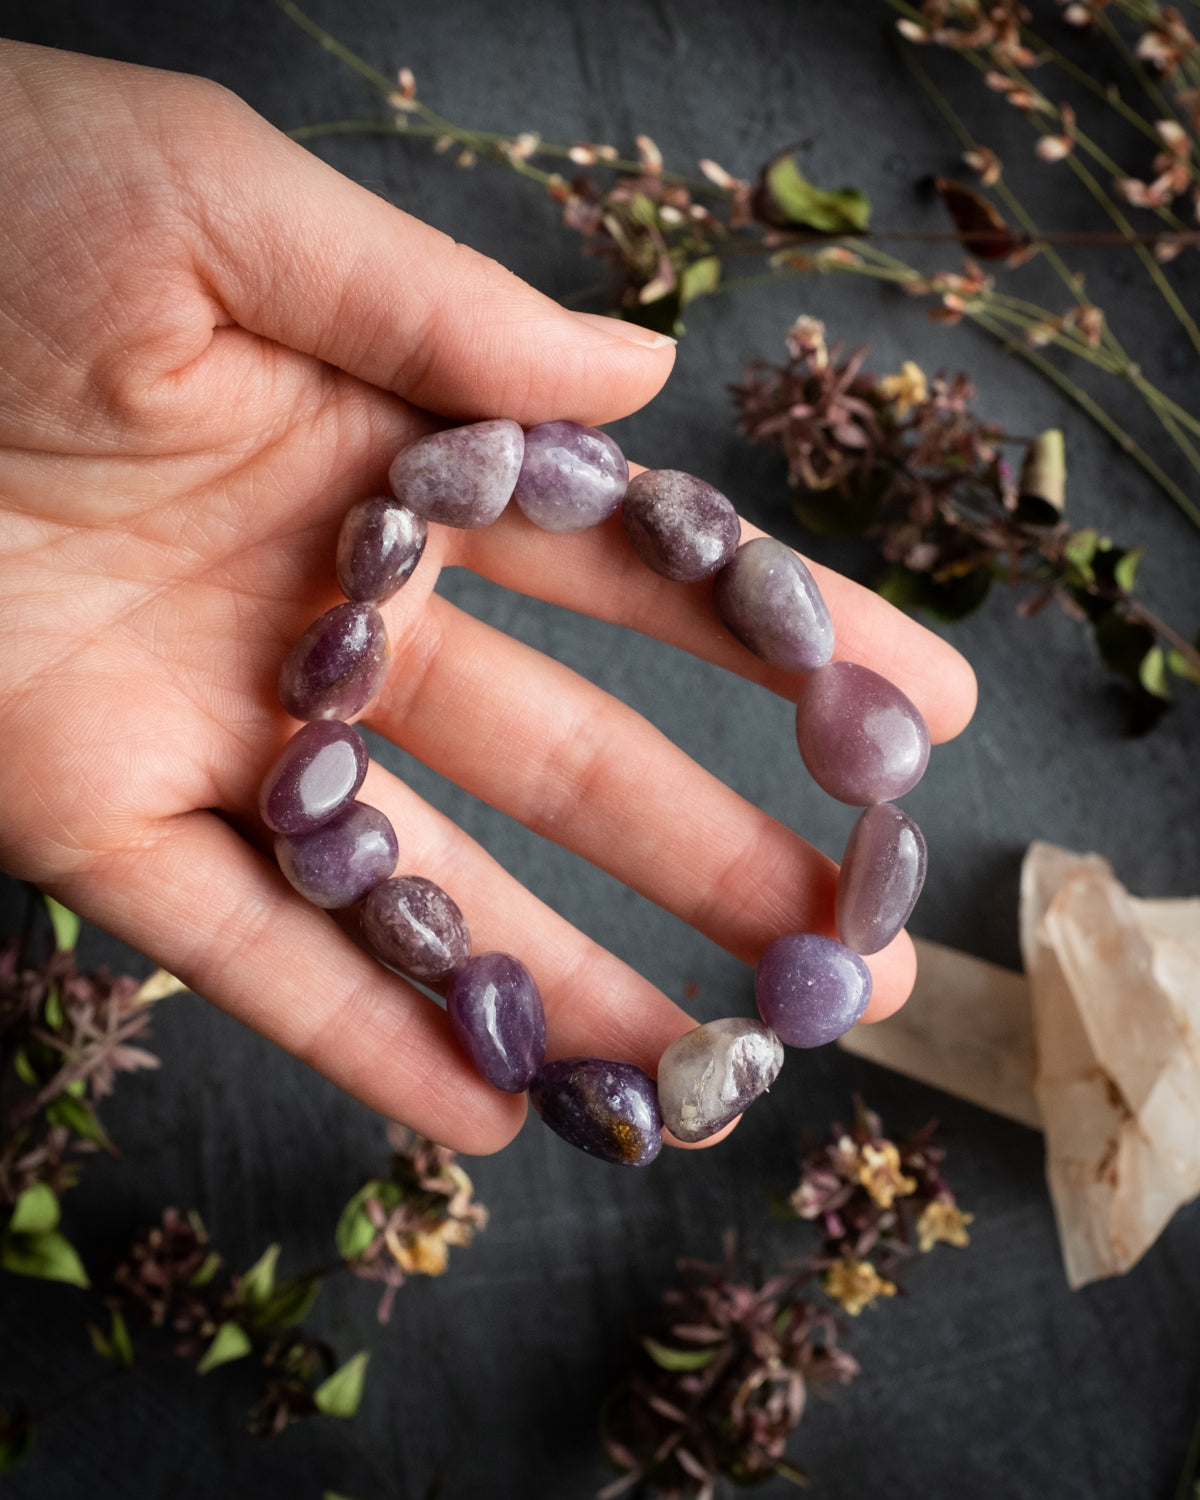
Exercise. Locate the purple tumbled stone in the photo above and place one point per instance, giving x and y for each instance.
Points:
(710, 1074)
(379, 545)
(338, 863)
(810, 989)
(860, 737)
(497, 1015)
(338, 664)
(767, 597)
(320, 770)
(608, 1109)
(883, 870)
(414, 926)
(572, 477)
(462, 477)
(679, 526)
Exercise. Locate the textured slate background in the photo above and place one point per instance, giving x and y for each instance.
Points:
(990, 1380)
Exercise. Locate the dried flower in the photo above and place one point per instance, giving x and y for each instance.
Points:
(906, 390)
(856, 1284)
(943, 1221)
(983, 159)
(722, 1390)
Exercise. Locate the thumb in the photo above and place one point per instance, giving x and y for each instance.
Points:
(301, 255)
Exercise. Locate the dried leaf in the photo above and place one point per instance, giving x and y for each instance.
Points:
(980, 225)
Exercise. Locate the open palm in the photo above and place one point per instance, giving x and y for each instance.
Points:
(213, 345)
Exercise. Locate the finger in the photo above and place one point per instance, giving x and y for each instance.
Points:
(597, 573)
(582, 769)
(199, 900)
(298, 253)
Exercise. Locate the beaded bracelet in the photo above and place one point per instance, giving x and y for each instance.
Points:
(862, 740)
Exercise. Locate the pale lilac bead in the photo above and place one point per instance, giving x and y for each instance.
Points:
(379, 546)
(810, 989)
(338, 863)
(572, 477)
(320, 770)
(413, 925)
(496, 1010)
(338, 664)
(608, 1109)
(678, 525)
(862, 740)
(767, 597)
(462, 477)
(883, 870)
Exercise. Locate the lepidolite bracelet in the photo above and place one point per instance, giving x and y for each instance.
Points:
(862, 740)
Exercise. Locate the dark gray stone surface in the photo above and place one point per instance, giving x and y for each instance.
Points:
(991, 1380)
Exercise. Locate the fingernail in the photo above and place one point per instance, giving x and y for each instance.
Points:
(632, 333)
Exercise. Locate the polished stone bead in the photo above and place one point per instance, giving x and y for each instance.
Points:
(608, 1109)
(496, 1011)
(379, 545)
(767, 597)
(413, 925)
(338, 664)
(320, 770)
(572, 477)
(708, 1076)
(679, 526)
(810, 989)
(860, 737)
(462, 477)
(883, 870)
(338, 863)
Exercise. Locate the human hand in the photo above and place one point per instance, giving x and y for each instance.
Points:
(215, 344)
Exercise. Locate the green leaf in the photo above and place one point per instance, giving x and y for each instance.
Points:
(121, 1342)
(642, 209)
(340, 1395)
(24, 1069)
(259, 1281)
(1125, 568)
(354, 1228)
(54, 1011)
(667, 1358)
(36, 1211)
(1152, 673)
(793, 1475)
(65, 923)
(208, 1269)
(1180, 665)
(76, 1088)
(947, 599)
(1080, 548)
(700, 278)
(1123, 644)
(288, 1305)
(793, 200)
(333, 1495)
(50, 1257)
(100, 1341)
(230, 1342)
(79, 1116)
(14, 1448)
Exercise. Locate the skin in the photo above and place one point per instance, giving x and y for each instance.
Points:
(213, 345)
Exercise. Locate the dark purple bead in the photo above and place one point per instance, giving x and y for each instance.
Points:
(462, 477)
(862, 740)
(608, 1109)
(883, 870)
(379, 545)
(810, 989)
(338, 863)
(767, 597)
(572, 477)
(338, 664)
(679, 526)
(413, 925)
(320, 770)
(497, 1015)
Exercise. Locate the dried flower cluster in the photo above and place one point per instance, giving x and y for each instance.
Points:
(906, 461)
(723, 1392)
(404, 1224)
(869, 1196)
